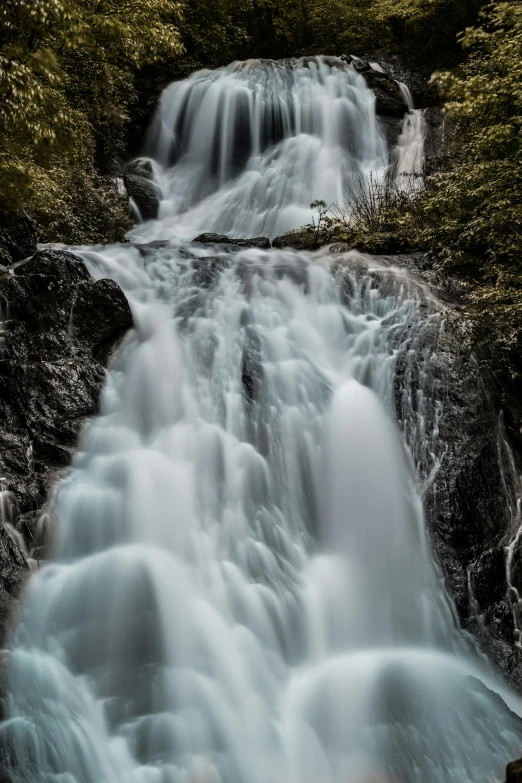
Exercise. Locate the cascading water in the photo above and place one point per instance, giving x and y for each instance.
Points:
(241, 589)
(409, 153)
(246, 149)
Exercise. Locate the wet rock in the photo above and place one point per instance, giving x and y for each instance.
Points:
(4, 775)
(389, 102)
(396, 69)
(468, 508)
(13, 571)
(391, 126)
(17, 237)
(252, 374)
(358, 63)
(59, 329)
(206, 270)
(220, 239)
(150, 248)
(145, 193)
(488, 577)
(99, 334)
(514, 772)
(469, 504)
(302, 239)
(424, 93)
(141, 167)
(438, 133)
(516, 565)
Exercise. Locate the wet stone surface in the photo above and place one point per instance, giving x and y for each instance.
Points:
(470, 504)
(59, 328)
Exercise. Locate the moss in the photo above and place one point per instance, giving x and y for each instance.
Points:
(301, 239)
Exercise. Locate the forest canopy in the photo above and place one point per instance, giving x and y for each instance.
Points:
(76, 75)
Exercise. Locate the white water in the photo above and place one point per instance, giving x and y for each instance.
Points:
(246, 149)
(409, 154)
(512, 481)
(241, 589)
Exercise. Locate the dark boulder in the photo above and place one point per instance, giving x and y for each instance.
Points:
(388, 99)
(141, 167)
(382, 75)
(220, 239)
(303, 239)
(514, 772)
(145, 193)
(4, 775)
(391, 127)
(149, 248)
(358, 63)
(396, 69)
(17, 237)
(252, 373)
(99, 334)
(59, 329)
(418, 82)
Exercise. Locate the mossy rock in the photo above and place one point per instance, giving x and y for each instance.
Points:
(301, 239)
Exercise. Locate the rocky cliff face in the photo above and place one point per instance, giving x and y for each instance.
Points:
(58, 328)
(473, 503)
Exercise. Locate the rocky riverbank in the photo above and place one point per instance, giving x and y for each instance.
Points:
(59, 327)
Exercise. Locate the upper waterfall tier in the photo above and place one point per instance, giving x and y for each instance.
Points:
(245, 149)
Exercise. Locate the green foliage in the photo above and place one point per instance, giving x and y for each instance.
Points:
(214, 32)
(423, 30)
(484, 100)
(72, 72)
(66, 80)
(338, 26)
(474, 208)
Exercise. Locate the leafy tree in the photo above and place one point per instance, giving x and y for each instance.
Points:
(73, 72)
(214, 32)
(66, 80)
(346, 26)
(425, 30)
(484, 100)
(475, 207)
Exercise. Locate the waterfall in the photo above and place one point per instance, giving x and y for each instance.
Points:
(246, 149)
(410, 146)
(241, 588)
